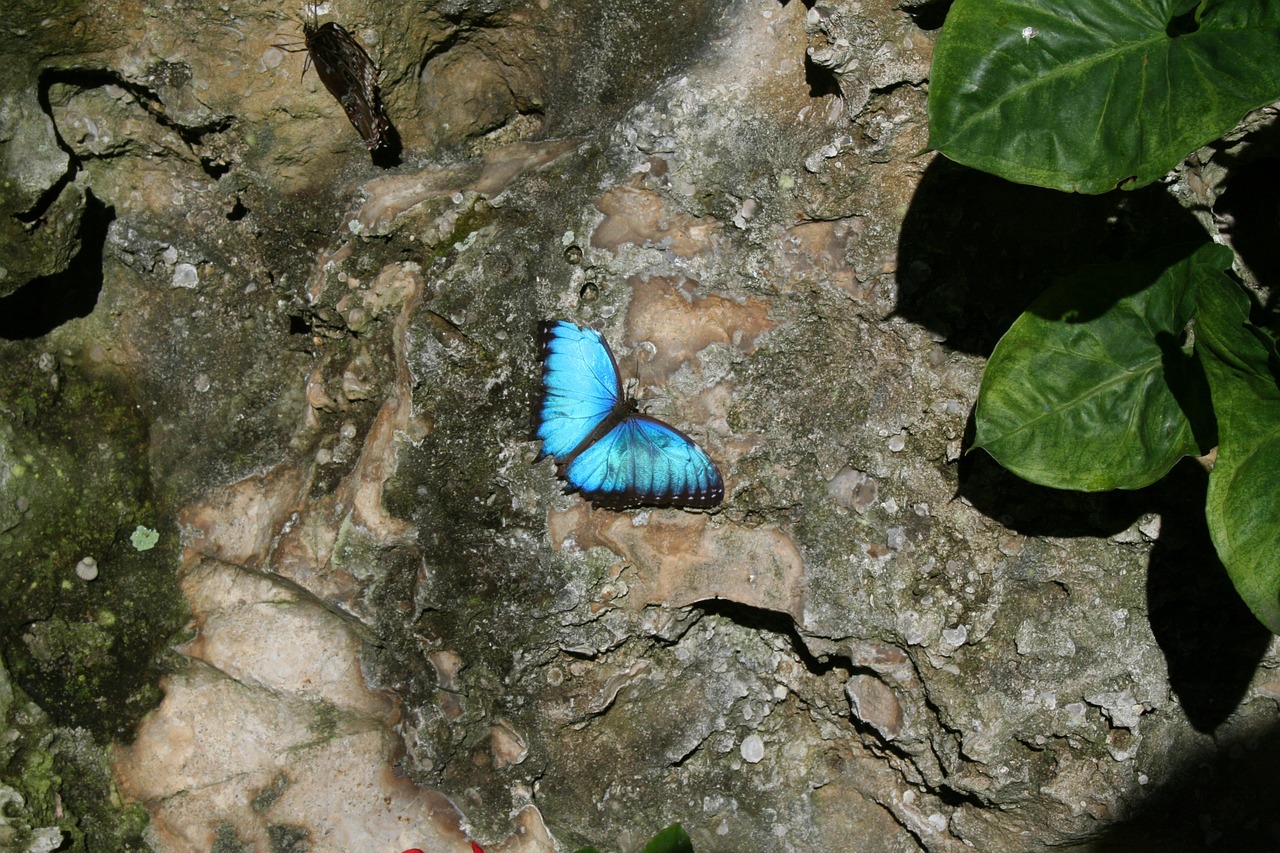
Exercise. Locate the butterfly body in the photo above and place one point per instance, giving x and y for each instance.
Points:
(603, 446)
(351, 77)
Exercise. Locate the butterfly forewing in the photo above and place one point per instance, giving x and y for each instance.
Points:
(351, 77)
(580, 387)
(603, 448)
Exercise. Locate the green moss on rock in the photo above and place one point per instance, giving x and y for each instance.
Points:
(74, 484)
(56, 791)
(78, 658)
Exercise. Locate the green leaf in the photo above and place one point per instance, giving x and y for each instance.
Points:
(1088, 95)
(1242, 507)
(673, 839)
(1091, 389)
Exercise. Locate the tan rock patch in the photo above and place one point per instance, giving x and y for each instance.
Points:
(638, 216)
(680, 324)
(682, 558)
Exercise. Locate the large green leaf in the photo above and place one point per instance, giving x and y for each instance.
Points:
(1090, 389)
(1243, 505)
(1088, 95)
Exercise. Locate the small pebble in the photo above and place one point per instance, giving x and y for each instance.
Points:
(87, 569)
(185, 275)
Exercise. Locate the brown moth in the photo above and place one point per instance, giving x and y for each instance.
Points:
(350, 76)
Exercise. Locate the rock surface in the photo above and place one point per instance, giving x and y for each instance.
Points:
(318, 367)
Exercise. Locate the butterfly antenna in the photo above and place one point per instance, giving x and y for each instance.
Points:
(295, 46)
(631, 386)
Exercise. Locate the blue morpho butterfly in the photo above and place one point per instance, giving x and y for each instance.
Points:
(603, 446)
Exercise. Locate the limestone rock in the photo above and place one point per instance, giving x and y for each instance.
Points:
(310, 371)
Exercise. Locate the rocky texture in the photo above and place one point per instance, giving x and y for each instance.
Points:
(311, 375)
(56, 790)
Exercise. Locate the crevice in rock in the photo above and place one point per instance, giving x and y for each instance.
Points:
(681, 759)
(822, 81)
(32, 217)
(213, 167)
(456, 37)
(930, 16)
(84, 79)
(299, 324)
(907, 826)
(46, 302)
(956, 798)
(881, 91)
(774, 622)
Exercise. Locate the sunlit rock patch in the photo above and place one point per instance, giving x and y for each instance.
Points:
(673, 559)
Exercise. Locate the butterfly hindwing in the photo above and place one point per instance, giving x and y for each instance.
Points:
(602, 446)
(644, 461)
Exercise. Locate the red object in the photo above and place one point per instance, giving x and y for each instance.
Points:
(414, 850)
(476, 848)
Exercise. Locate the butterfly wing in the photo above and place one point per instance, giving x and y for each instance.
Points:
(350, 76)
(644, 461)
(580, 388)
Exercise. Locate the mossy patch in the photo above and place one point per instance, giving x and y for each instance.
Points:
(267, 796)
(55, 783)
(75, 483)
(288, 839)
(74, 477)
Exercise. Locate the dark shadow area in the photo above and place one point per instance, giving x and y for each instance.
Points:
(1189, 385)
(975, 250)
(46, 302)
(1032, 510)
(1184, 24)
(927, 16)
(930, 16)
(1252, 200)
(214, 167)
(1221, 798)
(1250, 204)
(1085, 293)
(1211, 641)
(387, 155)
(822, 81)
